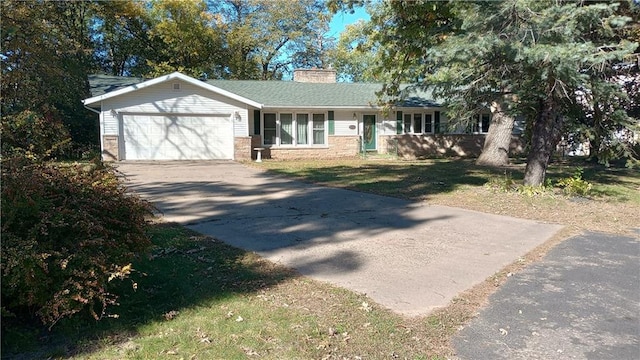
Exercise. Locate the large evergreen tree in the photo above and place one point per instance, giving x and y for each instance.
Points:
(529, 58)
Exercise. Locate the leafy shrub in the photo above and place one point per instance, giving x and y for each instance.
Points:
(67, 232)
(532, 191)
(575, 185)
(37, 135)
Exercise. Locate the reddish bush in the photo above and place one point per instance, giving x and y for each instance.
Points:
(67, 232)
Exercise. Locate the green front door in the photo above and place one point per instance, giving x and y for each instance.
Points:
(369, 133)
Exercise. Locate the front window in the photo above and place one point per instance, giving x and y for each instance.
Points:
(419, 123)
(270, 129)
(481, 123)
(407, 124)
(427, 123)
(294, 129)
(286, 129)
(303, 129)
(318, 129)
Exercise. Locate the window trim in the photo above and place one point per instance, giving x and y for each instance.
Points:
(477, 125)
(294, 125)
(410, 117)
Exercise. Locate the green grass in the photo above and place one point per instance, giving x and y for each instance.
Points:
(406, 179)
(418, 180)
(198, 298)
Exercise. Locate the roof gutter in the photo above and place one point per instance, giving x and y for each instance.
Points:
(92, 109)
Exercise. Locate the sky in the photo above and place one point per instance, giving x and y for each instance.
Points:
(341, 20)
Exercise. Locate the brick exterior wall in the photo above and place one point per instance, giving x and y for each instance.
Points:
(411, 146)
(314, 75)
(242, 149)
(110, 151)
(339, 147)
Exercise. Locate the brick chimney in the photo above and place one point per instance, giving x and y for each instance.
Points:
(314, 75)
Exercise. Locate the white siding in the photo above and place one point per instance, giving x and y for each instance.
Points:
(387, 123)
(343, 122)
(162, 98)
(109, 122)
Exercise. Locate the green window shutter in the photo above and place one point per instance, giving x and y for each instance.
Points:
(436, 122)
(399, 122)
(332, 124)
(256, 122)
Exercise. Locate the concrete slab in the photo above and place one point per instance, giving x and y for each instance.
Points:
(582, 301)
(409, 257)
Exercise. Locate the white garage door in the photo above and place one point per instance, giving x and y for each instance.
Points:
(166, 137)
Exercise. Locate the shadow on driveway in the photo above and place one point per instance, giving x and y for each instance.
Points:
(407, 256)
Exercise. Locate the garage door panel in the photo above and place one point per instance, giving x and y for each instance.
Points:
(149, 137)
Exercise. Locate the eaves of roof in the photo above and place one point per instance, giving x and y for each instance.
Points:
(273, 94)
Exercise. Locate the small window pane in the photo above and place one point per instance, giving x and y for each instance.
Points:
(427, 123)
(476, 124)
(417, 123)
(286, 129)
(302, 129)
(486, 119)
(318, 129)
(269, 129)
(407, 123)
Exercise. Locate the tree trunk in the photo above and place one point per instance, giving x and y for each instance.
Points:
(544, 139)
(495, 151)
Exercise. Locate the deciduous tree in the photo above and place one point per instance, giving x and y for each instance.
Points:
(267, 39)
(46, 54)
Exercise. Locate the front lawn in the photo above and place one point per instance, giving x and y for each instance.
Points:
(197, 298)
(612, 205)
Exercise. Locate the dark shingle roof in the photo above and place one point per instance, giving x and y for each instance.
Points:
(102, 84)
(282, 93)
(289, 93)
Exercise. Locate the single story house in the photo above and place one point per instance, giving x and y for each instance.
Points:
(177, 117)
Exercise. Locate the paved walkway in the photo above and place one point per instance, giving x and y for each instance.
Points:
(582, 301)
(409, 257)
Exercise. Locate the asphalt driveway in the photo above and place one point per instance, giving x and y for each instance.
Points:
(582, 301)
(410, 257)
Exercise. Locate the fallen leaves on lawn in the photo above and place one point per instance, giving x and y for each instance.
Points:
(203, 336)
(171, 314)
(365, 306)
(250, 352)
(173, 351)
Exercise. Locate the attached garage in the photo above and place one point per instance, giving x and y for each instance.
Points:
(172, 117)
(177, 137)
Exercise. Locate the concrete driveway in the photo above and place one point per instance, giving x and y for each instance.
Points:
(410, 257)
